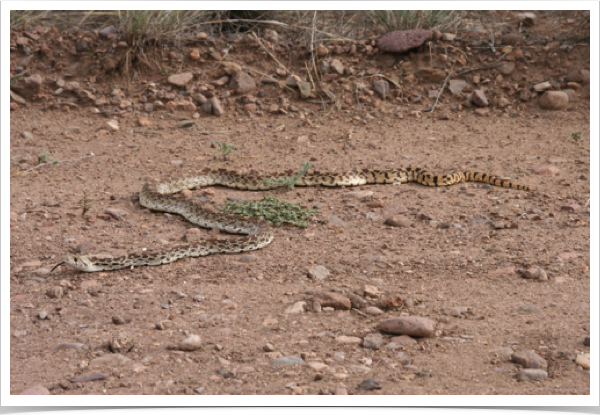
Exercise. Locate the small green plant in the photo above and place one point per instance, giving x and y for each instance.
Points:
(288, 181)
(225, 149)
(272, 210)
(576, 136)
(85, 203)
(43, 157)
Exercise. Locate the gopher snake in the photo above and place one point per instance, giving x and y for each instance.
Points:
(258, 233)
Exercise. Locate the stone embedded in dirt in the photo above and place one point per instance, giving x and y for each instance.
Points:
(586, 341)
(583, 360)
(362, 195)
(554, 100)
(190, 343)
(506, 68)
(391, 302)
(571, 94)
(54, 292)
(296, 308)
(398, 221)
(529, 360)
(348, 340)
(454, 311)
(89, 377)
(322, 50)
(107, 31)
(215, 106)
(456, 86)
(286, 361)
(241, 82)
(400, 41)
(111, 360)
(36, 390)
(112, 125)
(547, 170)
(357, 301)
(571, 208)
(579, 76)
(318, 272)
(180, 79)
(337, 66)
(317, 366)
(531, 375)
(404, 339)
(334, 300)
(381, 87)
(529, 309)
(120, 344)
(410, 325)
(373, 341)
(184, 106)
(525, 95)
(535, 273)
(369, 385)
(512, 39)
(478, 97)
(16, 98)
(68, 346)
(503, 102)
(293, 80)
(371, 291)
(431, 74)
(373, 311)
(305, 89)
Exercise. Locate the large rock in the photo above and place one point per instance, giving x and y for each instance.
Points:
(410, 325)
(577, 75)
(554, 100)
(241, 82)
(180, 79)
(403, 40)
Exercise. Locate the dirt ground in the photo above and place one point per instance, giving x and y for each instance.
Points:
(457, 258)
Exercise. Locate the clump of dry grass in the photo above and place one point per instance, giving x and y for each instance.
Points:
(412, 19)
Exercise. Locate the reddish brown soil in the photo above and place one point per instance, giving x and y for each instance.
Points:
(451, 259)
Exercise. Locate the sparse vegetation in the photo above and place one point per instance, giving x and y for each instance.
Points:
(43, 157)
(225, 149)
(288, 181)
(411, 19)
(271, 209)
(576, 135)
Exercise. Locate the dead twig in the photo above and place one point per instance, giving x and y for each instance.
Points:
(23, 172)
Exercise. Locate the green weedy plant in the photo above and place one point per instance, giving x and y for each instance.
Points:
(225, 149)
(272, 210)
(43, 157)
(576, 135)
(288, 181)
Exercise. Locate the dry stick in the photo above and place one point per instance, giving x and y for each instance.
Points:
(451, 75)
(19, 173)
(270, 54)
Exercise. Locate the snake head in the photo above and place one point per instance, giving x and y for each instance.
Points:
(82, 263)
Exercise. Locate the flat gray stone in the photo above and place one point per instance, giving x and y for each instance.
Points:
(286, 361)
(531, 375)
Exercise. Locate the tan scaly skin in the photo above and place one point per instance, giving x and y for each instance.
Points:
(258, 233)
